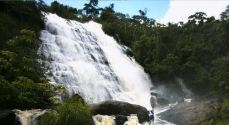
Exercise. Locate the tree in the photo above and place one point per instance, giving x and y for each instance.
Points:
(199, 17)
(94, 2)
(20, 58)
(23, 93)
(220, 75)
(91, 9)
(108, 14)
(62, 10)
(225, 14)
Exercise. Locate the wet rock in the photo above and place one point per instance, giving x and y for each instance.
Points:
(120, 119)
(162, 101)
(120, 109)
(191, 113)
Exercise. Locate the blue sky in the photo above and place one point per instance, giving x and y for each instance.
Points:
(163, 11)
(156, 8)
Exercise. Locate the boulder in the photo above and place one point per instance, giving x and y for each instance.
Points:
(8, 117)
(191, 113)
(120, 110)
(120, 119)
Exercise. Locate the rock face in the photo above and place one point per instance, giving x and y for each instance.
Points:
(8, 117)
(191, 113)
(120, 110)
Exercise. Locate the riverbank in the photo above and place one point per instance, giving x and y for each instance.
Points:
(204, 112)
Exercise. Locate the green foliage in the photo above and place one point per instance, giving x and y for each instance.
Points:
(4, 64)
(184, 50)
(140, 48)
(27, 37)
(10, 56)
(5, 93)
(225, 15)
(204, 123)
(63, 10)
(20, 58)
(224, 111)
(75, 99)
(91, 9)
(22, 81)
(71, 112)
(18, 15)
(196, 51)
(171, 62)
(7, 27)
(220, 75)
(24, 93)
(221, 117)
(108, 14)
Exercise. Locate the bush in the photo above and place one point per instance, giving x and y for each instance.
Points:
(224, 111)
(71, 112)
(221, 118)
(23, 93)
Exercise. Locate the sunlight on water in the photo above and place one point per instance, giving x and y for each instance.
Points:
(104, 120)
(88, 62)
(132, 120)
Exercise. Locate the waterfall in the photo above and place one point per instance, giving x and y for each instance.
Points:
(132, 120)
(81, 57)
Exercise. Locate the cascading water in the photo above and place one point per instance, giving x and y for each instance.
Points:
(132, 120)
(90, 63)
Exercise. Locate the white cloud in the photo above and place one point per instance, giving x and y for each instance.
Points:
(180, 10)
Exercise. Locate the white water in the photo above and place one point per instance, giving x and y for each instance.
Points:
(28, 117)
(132, 120)
(88, 62)
(104, 120)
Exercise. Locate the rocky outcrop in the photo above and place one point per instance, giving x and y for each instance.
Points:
(191, 113)
(120, 110)
(162, 102)
(8, 117)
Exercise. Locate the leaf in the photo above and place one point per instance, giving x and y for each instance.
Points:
(11, 56)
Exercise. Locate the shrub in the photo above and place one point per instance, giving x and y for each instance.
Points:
(71, 112)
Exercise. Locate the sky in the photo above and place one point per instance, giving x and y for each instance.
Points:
(163, 11)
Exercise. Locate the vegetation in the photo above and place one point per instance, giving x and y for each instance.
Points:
(22, 80)
(23, 93)
(221, 118)
(73, 111)
(196, 51)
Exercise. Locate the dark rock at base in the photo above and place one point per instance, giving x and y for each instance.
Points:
(191, 113)
(8, 117)
(117, 108)
(120, 119)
